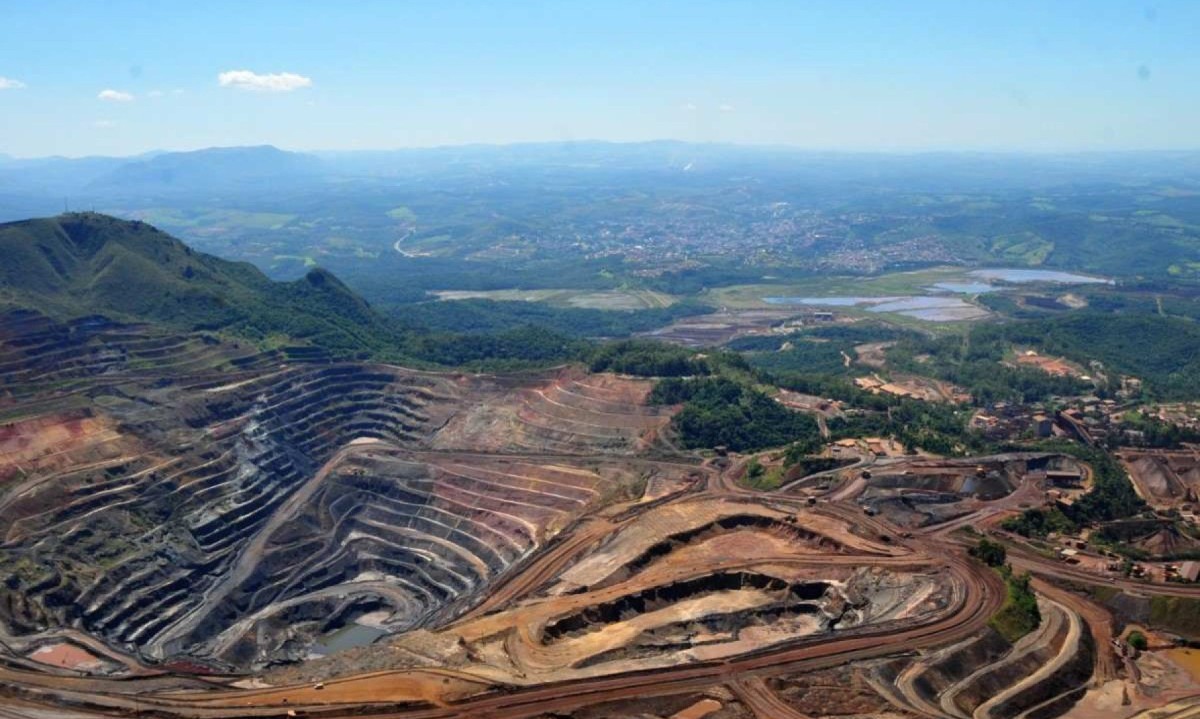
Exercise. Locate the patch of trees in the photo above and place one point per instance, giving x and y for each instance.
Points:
(379, 280)
(990, 553)
(695, 280)
(801, 355)
(819, 350)
(672, 390)
(1039, 523)
(1019, 615)
(483, 316)
(521, 347)
(932, 426)
(841, 336)
(646, 358)
(1163, 351)
(1138, 641)
(974, 363)
(719, 412)
(810, 464)
(762, 478)
(1112, 495)
(1130, 530)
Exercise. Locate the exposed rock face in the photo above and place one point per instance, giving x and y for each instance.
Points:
(185, 495)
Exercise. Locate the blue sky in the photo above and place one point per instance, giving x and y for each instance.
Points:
(853, 75)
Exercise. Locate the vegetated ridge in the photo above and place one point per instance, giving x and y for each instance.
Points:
(82, 264)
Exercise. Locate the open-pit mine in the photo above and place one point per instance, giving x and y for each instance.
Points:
(192, 527)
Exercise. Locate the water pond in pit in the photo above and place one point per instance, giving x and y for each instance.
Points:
(349, 636)
(1188, 659)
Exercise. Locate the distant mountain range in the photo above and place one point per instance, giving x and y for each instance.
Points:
(206, 170)
(222, 169)
(218, 169)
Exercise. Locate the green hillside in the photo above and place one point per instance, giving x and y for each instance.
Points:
(87, 264)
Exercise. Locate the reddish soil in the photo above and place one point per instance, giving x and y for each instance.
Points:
(572, 413)
(1050, 365)
(50, 442)
(68, 656)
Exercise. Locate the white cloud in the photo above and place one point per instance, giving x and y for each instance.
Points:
(726, 108)
(103, 124)
(177, 91)
(271, 82)
(115, 96)
(7, 83)
(155, 93)
(690, 107)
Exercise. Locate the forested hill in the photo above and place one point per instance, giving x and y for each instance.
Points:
(83, 264)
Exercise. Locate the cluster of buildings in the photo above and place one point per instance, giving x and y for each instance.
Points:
(773, 235)
(1089, 419)
(875, 385)
(1182, 414)
(857, 256)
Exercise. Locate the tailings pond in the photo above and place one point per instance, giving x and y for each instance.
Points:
(944, 301)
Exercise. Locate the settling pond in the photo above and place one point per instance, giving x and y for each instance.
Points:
(943, 303)
(347, 637)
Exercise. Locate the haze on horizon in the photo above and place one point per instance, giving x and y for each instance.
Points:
(126, 77)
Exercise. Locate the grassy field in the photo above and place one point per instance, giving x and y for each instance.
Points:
(586, 299)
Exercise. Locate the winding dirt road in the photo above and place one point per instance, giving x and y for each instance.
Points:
(976, 593)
